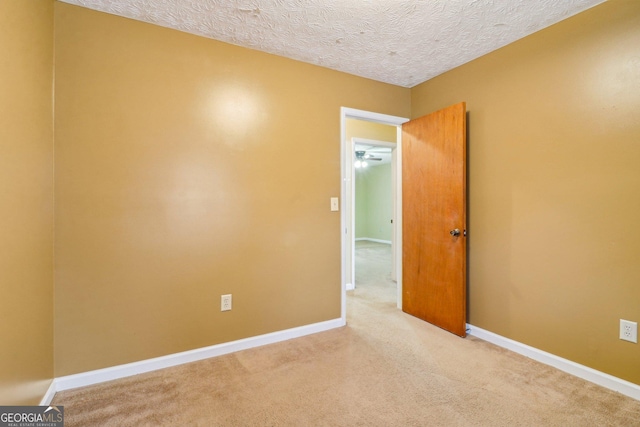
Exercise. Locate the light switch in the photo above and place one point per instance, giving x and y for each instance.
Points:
(334, 204)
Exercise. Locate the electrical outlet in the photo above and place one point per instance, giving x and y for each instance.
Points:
(629, 331)
(225, 302)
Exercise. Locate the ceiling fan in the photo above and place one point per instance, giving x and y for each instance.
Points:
(362, 158)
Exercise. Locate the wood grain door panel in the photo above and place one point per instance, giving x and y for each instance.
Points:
(434, 203)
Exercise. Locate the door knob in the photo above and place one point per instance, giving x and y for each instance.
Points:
(455, 232)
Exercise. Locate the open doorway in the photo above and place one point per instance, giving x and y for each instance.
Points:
(348, 158)
(374, 244)
(373, 202)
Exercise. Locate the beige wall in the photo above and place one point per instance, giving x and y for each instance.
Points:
(355, 128)
(187, 168)
(554, 185)
(26, 200)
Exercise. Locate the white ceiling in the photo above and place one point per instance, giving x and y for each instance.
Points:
(402, 42)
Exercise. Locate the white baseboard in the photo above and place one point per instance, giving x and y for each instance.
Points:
(48, 396)
(122, 371)
(388, 242)
(605, 380)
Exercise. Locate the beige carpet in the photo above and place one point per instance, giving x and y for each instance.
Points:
(384, 369)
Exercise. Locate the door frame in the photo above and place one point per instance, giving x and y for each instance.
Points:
(347, 218)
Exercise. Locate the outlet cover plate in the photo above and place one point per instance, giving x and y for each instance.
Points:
(225, 302)
(629, 331)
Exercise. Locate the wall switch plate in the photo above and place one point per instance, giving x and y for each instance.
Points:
(335, 206)
(629, 331)
(225, 302)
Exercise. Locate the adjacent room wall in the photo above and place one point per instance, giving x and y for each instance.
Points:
(374, 131)
(374, 203)
(187, 168)
(361, 214)
(26, 200)
(554, 185)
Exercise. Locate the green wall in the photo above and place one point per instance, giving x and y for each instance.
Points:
(374, 206)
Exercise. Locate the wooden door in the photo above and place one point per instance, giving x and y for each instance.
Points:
(433, 207)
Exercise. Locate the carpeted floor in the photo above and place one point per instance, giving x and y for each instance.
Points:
(384, 369)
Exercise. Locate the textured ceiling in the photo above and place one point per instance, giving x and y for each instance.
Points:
(403, 42)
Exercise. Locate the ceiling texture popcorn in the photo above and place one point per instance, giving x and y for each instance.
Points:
(402, 42)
